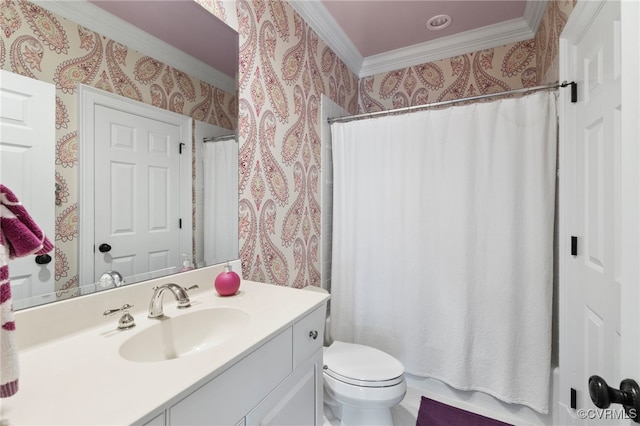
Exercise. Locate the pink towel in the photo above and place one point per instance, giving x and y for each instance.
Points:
(19, 236)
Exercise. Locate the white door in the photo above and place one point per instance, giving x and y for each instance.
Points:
(137, 196)
(27, 162)
(142, 140)
(597, 195)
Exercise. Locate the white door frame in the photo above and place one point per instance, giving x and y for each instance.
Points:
(630, 320)
(629, 216)
(89, 97)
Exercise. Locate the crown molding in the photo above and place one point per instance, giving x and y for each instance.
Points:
(447, 47)
(534, 12)
(515, 30)
(318, 17)
(91, 16)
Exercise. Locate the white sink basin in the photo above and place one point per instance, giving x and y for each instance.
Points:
(185, 334)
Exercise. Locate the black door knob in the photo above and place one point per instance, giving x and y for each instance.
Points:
(603, 395)
(104, 248)
(43, 259)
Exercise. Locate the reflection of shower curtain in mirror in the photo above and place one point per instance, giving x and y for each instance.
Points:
(220, 197)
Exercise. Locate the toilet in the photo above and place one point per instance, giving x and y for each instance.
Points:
(361, 383)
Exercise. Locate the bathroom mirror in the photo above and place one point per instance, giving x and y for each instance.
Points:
(166, 28)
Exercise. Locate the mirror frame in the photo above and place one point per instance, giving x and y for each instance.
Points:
(82, 13)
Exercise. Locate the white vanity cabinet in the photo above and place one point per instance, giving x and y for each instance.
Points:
(269, 371)
(298, 400)
(280, 382)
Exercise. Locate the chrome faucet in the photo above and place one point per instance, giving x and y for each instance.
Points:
(126, 320)
(180, 293)
(111, 279)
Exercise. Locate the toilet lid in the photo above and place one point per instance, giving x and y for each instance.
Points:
(362, 365)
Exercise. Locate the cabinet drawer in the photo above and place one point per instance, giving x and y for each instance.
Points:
(308, 335)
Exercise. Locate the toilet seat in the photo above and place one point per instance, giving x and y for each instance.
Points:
(362, 366)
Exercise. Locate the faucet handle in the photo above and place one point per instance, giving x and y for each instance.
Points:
(125, 308)
(184, 301)
(126, 321)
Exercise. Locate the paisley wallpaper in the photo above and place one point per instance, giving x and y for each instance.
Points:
(514, 66)
(44, 46)
(547, 39)
(284, 68)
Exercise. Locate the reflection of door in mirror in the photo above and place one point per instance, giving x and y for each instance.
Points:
(141, 172)
(27, 153)
(216, 194)
(137, 169)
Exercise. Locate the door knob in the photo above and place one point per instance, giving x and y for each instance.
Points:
(603, 395)
(43, 259)
(104, 248)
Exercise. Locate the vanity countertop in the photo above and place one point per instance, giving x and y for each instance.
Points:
(80, 378)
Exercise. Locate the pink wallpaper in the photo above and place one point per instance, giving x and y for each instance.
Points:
(43, 46)
(478, 73)
(547, 38)
(514, 66)
(284, 68)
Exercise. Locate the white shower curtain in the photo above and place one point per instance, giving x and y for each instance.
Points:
(220, 191)
(443, 243)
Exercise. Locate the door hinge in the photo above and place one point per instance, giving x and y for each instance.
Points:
(180, 147)
(574, 90)
(180, 223)
(574, 245)
(574, 398)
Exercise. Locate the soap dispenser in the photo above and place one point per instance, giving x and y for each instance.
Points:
(186, 264)
(227, 283)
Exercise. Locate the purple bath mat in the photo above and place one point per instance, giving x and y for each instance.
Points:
(434, 413)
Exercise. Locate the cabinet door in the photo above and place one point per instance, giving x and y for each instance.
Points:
(297, 401)
(308, 334)
(227, 398)
(157, 420)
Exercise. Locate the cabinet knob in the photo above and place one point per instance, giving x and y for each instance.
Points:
(313, 334)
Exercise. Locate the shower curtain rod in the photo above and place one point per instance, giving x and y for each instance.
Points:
(553, 86)
(218, 138)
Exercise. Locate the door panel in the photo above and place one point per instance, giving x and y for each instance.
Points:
(27, 159)
(137, 204)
